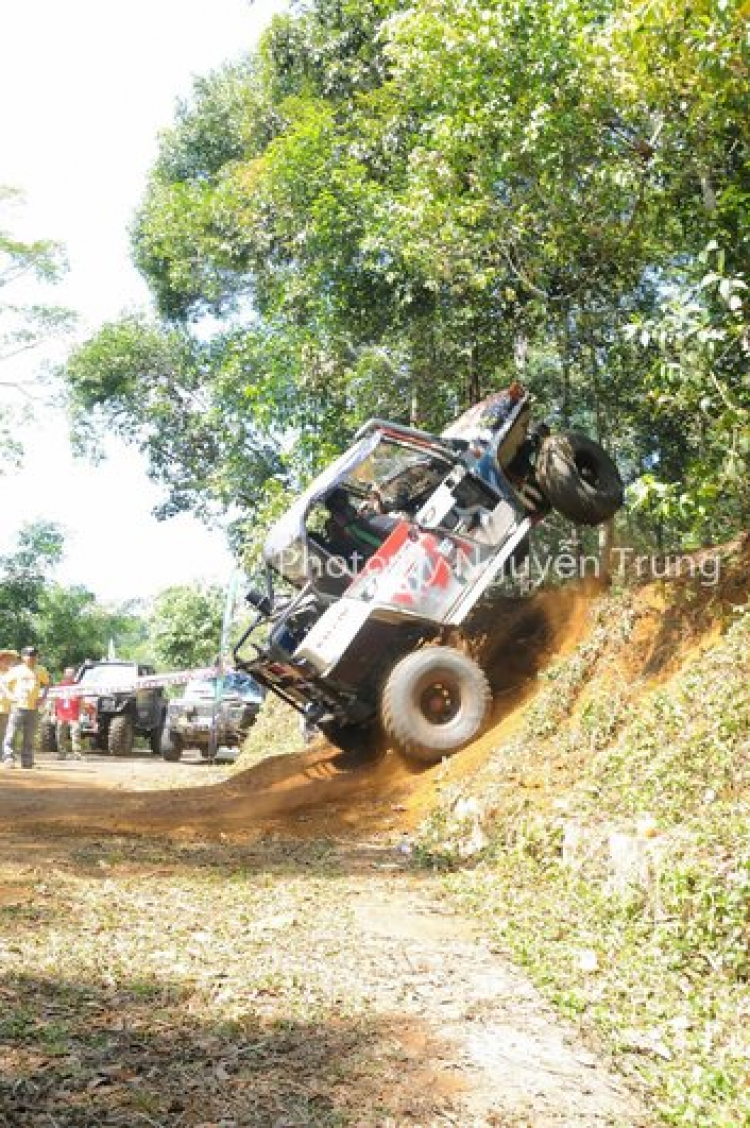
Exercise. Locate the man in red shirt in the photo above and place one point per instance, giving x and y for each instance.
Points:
(67, 716)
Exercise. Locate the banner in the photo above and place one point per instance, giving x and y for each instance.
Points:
(132, 685)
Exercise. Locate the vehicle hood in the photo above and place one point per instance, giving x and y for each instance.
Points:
(210, 700)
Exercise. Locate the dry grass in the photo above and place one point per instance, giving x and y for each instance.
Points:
(151, 984)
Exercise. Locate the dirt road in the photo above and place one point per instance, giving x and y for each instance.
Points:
(142, 771)
(315, 980)
(279, 984)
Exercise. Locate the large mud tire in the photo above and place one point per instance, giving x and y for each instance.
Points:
(434, 702)
(48, 737)
(155, 738)
(579, 479)
(357, 743)
(171, 747)
(121, 736)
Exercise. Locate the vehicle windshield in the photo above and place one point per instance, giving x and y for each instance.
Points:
(402, 474)
(107, 677)
(403, 477)
(235, 685)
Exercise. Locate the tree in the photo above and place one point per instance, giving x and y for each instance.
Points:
(66, 623)
(24, 574)
(392, 209)
(26, 324)
(681, 77)
(188, 405)
(185, 627)
(72, 625)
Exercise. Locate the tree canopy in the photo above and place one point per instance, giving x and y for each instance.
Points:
(68, 624)
(25, 323)
(185, 626)
(392, 210)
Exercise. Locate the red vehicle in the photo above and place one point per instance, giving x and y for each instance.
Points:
(386, 554)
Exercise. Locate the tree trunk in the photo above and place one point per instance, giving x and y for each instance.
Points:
(473, 384)
(565, 361)
(601, 428)
(606, 545)
(414, 407)
(520, 354)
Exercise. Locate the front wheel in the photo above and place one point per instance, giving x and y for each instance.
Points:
(579, 479)
(358, 743)
(121, 735)
(434, 702)
(171, 745)
(155, 738)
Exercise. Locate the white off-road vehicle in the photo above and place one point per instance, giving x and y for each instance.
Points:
(386, 554)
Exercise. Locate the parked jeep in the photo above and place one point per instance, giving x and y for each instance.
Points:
(383, 558)
(212, 713)
(115, 712)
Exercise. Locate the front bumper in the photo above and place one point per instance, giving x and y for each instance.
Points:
(228, 730)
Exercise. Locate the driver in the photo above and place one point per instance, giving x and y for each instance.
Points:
(352, 534)
(377, 504)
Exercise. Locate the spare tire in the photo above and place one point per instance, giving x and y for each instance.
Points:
(579, 479)
(434, 702)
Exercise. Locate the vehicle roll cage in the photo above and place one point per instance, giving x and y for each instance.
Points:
(454, 451)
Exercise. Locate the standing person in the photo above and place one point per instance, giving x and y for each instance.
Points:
(26, 685)
(66, 711)
(8, 658)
